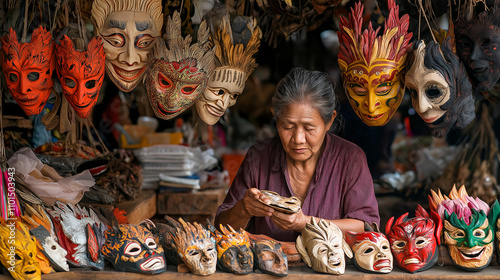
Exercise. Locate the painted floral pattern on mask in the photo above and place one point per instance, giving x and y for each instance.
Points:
(81, 73)
(28, 69)
(414, 241)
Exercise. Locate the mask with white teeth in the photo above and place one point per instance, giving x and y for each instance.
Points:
(133, 248)
(470, 245)
(322, 247)
(372, 251)
(414, 241)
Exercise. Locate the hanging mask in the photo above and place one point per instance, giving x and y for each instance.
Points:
(270, 258)
(322, 247)
(178, 74)
(371, 65)
(17, 254)
(129, 29)
(233, 250)
(132, 248)
(81, 73)
(51, 249)
(440, 91)
(372, 251)
(233, 65)
(28, 69)
(414, 241)
(478, 47)
(196, 247)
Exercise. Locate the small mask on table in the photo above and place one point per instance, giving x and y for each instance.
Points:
(51, 249)
(270, 258)
(288, 205)
(414, 241)
(372, 251)
(322, 247)
(234, 253)
(195, 246)
(132, 248)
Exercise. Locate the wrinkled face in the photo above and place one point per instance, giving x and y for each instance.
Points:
(200, 256)
(237, 259)
(81, 73)
(372, 253)
(173, 87)
(429, 89)
(224, 87)
(413, 244)
(132, 248)
(327, 255)
(28, 69)
(302, 131)
(270, 258)
(470, 246)
(128, 39)
(374, 92)
(478, 47)
(19, 255)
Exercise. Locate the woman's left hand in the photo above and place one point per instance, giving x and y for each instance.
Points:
(295, 221)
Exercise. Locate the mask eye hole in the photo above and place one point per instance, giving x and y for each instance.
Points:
(187, 90)
(53, 248)
(368, 250)
(385, 247)
(234, 96)
(133, 249)
(433, 92)
(18, 257)
(165, 82)
(150, 242)
(220, 92)
(90, 84)
(458, 234)
(13, 77)
(33, 76)
(69, 83)
(193, 253)
(399, 244)
(210, 249)
(479, 233)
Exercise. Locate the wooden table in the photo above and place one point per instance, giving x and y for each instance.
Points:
(295, 273)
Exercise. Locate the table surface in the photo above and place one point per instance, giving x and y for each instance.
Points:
(301, 272)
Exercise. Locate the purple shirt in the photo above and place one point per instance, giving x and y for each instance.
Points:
(341, 187)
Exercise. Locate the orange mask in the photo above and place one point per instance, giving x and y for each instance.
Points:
(81, 73)
(28, 69)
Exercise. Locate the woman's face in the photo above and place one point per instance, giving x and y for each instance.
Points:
(302, 130)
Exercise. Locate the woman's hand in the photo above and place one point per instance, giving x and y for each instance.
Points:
(253, 207)
(295, 221)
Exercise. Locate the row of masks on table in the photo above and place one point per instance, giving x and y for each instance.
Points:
(440, 75)
(177, 73)
(466, 225)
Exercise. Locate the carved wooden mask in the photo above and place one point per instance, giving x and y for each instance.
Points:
(372, 251)
(270, 258)
(233, 250)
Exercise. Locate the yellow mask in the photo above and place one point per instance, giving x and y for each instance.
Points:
(18, 252)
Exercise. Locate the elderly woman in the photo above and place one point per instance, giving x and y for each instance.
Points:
(328, 174)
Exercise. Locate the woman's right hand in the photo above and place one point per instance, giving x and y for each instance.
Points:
(253, 206)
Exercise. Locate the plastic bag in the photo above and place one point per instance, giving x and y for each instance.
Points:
(45, 182)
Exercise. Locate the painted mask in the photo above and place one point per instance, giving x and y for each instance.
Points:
(233, 250)
(132, 248)
(18, 254)
(470, 245)
(28, 69)
(371, 65)
(440, 91)
(178, 74)
(322, 247)
(81, 73)
(414, 241)
(51, 249)
(195, 247)
(234, 63)
(270, 258)
(129, 29)
(478, 47)
(372, 251)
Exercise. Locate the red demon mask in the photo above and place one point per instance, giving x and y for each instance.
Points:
(28, 69)
(81, 73)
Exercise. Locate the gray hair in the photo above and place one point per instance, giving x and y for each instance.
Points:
(301, 85)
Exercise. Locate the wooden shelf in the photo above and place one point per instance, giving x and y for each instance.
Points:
(144, 207)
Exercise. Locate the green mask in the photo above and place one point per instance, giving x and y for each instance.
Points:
(470, 246)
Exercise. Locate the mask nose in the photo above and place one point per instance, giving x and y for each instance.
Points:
(423, 105)
(371, 103)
